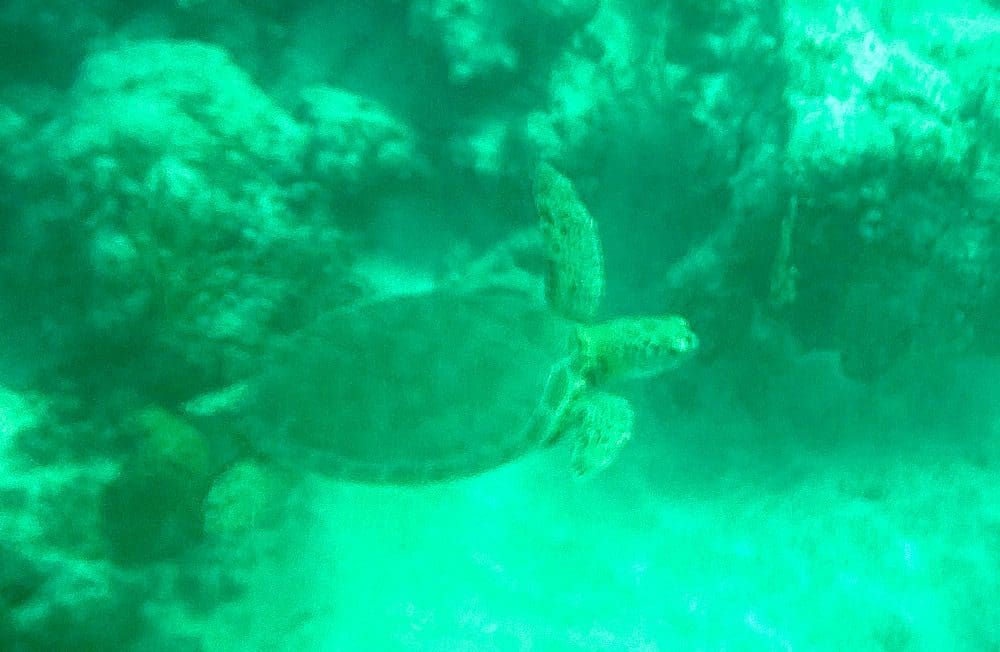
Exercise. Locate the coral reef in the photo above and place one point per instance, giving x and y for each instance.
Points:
(872, 117)
(199, 239)
(356, 146)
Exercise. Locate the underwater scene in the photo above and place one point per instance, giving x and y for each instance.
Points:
(500, 326)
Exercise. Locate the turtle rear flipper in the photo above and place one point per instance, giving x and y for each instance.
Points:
(601, 424)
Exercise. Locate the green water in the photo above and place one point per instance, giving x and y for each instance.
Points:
(208, 209)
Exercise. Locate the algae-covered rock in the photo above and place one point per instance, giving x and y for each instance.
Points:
(886, 155)
(355, 143)
(201, 239)
(153, 508)
(51, 602)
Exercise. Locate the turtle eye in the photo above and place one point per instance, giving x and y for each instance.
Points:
(688, 343)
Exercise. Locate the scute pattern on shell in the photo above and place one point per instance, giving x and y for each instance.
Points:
(416, 389)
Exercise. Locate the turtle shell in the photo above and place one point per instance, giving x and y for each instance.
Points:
(416, 388)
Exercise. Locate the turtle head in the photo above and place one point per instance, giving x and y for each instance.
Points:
(632, 347)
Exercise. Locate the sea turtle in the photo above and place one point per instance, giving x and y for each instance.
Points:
(471, 374)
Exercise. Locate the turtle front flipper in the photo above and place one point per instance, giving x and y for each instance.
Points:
(574, 262)
(600, 423)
